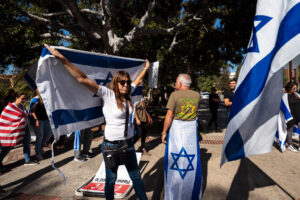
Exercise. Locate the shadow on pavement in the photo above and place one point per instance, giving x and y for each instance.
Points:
(32, 177)
(247, 178)
(46, 155)
(153, 144)
(204, 161)
(155, 173)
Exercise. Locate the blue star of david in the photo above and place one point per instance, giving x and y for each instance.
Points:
(183, 154)
(263, 20)
(103, 81)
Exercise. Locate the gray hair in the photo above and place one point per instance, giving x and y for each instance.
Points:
(185, 79)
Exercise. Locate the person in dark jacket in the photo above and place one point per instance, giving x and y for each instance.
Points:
(294, 104)
(214, 100)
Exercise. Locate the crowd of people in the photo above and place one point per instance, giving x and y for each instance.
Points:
(119, 138)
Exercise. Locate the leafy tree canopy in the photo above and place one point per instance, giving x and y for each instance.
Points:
(182, 35)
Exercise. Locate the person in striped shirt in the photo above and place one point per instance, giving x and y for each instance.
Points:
(14, 129)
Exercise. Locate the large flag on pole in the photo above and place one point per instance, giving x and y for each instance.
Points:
(274, 42)
(71, 106)
(183, 172)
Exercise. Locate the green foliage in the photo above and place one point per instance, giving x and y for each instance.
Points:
(205, 83)
(4, 86)
(200, 45)
(223, 81)
(20, 40)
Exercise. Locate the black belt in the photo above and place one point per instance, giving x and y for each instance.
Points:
(117, 141)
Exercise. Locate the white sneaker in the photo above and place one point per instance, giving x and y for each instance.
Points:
(299, 148)
(292, 148)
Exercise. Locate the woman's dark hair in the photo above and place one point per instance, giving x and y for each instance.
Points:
(114, 87)
(288, 86)
(18, 95)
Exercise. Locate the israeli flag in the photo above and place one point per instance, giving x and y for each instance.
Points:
(33, 102)
(274, 42)
(284, 117)
(183, 172)
(71, 106)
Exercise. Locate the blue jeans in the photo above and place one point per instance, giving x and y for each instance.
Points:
(133, 171)
(84, 137)
(43, 133)
(3, 152)
(26, 145)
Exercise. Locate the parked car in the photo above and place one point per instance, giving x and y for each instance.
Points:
(204, 95)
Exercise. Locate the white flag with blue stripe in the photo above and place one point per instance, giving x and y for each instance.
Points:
(183, 172)
(284, 117)
(71, 106)
(274, 42)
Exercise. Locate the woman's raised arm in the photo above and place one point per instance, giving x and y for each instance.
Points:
(140, 78)
(74, 71)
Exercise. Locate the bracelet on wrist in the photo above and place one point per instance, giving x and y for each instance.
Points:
(163, 133)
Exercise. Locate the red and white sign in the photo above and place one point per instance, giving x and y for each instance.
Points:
(123, 184)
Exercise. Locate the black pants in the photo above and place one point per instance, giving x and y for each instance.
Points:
(214, 118)
(140, 132)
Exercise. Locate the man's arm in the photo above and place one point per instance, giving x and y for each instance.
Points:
(227, 102)
(167, 124)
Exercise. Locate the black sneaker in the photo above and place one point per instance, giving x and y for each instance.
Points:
(87, 155)
(79, 158)
(31, 163)
(39, 157)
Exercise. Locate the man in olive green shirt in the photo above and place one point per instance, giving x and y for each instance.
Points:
(182, 104)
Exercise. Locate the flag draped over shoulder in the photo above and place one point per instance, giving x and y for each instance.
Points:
(71, 106)
(274, 42)
(183, 172)
(284, 117)
(12, 125)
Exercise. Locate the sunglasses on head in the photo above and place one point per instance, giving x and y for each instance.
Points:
(122, 82)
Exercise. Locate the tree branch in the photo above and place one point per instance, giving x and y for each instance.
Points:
(143, 22)
(72, 30)
(174, 42)
(73, 10)
(54, 34)
(84, 10)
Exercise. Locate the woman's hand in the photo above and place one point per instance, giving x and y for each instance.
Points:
(53, 51)
(138, 122)
(139, 79)
(74, 71)
(147, 64)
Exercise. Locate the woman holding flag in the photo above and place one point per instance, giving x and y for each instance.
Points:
(118, 146)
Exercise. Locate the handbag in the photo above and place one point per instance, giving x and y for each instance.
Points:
(117, 154)
(149, 119)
